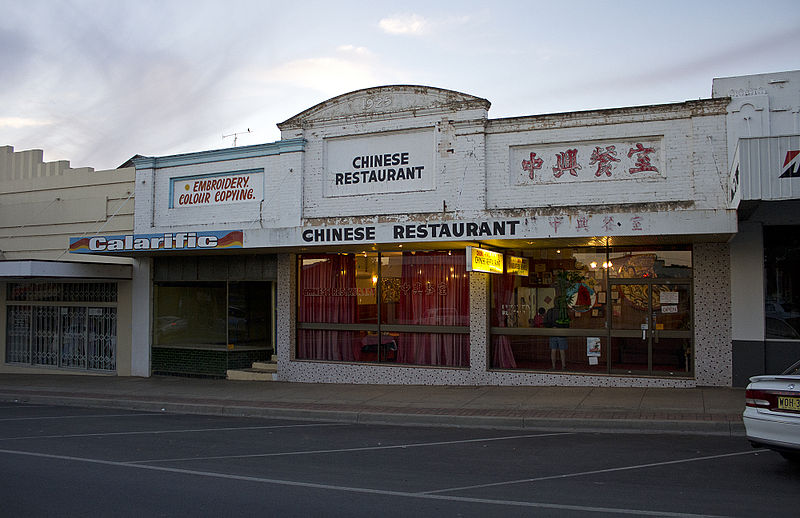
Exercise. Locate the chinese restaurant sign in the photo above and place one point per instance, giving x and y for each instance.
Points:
(587, 162)
(378, 164)
(217, 189)
(549, 226)
(157, 242)
(480, 260)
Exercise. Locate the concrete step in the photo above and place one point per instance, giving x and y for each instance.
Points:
(252, 375)
(266, 366)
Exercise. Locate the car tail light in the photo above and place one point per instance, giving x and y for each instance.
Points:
(769, 399)
(759, 398)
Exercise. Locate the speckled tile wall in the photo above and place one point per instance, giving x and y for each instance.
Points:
(712, 314)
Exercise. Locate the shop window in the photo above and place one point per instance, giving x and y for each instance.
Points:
(636, 263)
(67, 325)
(594, 310)
(189, 314)
(212, 314)
(421, 319)
(424, 288)
(249, 319)
(782, 282)
(564, 287)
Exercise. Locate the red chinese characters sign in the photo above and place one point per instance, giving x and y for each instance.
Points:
(592, 161)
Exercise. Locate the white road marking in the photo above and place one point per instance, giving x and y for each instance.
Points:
(361, 448)
(156, 432)
(593, 472)
(74, 416)
(362, 490)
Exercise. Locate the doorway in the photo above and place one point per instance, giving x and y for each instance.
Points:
(651, 327)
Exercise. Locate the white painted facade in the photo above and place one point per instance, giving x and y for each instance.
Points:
(660, 175)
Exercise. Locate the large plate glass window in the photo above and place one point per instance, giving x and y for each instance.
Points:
(214, 314)
(396, 307)
(595, 310)
(553, 318)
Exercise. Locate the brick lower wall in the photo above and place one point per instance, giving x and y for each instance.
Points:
(202, 362)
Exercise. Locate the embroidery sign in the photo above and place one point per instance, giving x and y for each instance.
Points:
(217, 189)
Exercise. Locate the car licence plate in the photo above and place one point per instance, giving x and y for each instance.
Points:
(789, 403)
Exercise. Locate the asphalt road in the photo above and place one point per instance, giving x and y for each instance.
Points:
(61, 461)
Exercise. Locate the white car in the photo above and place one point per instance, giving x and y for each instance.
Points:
(772, 412)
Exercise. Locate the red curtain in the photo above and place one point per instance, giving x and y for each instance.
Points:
(434, 290)
(503, 290)
(327, 294)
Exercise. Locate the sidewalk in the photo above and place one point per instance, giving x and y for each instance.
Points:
(652, 410)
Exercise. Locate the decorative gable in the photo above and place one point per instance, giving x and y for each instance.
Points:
(386, 102)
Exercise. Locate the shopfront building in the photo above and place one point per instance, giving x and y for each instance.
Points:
(398, 235)
(212, 314)
(61, 313)
(764, 147)
(211, 300)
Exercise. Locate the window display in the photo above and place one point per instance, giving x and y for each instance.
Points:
(586, 309)
(421, 319)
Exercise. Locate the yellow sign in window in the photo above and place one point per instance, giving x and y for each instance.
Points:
(517, 265)
(480, 260)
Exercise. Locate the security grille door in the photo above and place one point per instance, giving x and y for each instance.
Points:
(67, 325)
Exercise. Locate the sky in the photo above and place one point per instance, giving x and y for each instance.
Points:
(97, 82)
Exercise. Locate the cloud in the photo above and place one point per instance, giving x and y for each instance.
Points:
(411, 24)
(352, 49)
(328, 75)
(22, 122)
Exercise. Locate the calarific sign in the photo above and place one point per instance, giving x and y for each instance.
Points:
(157, 242)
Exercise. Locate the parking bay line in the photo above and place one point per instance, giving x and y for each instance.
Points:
(593, 472)
(157, 432)
(39, 418)
(361, 448)
(362, 490)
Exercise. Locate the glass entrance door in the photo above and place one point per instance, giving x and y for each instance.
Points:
(651, 327)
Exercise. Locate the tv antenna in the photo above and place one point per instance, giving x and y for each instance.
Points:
(235, 136)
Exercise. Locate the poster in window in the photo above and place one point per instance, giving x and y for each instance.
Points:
(593, 346)
(668, 297)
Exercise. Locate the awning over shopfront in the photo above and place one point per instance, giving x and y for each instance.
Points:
(766, 168)
(63, 270)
